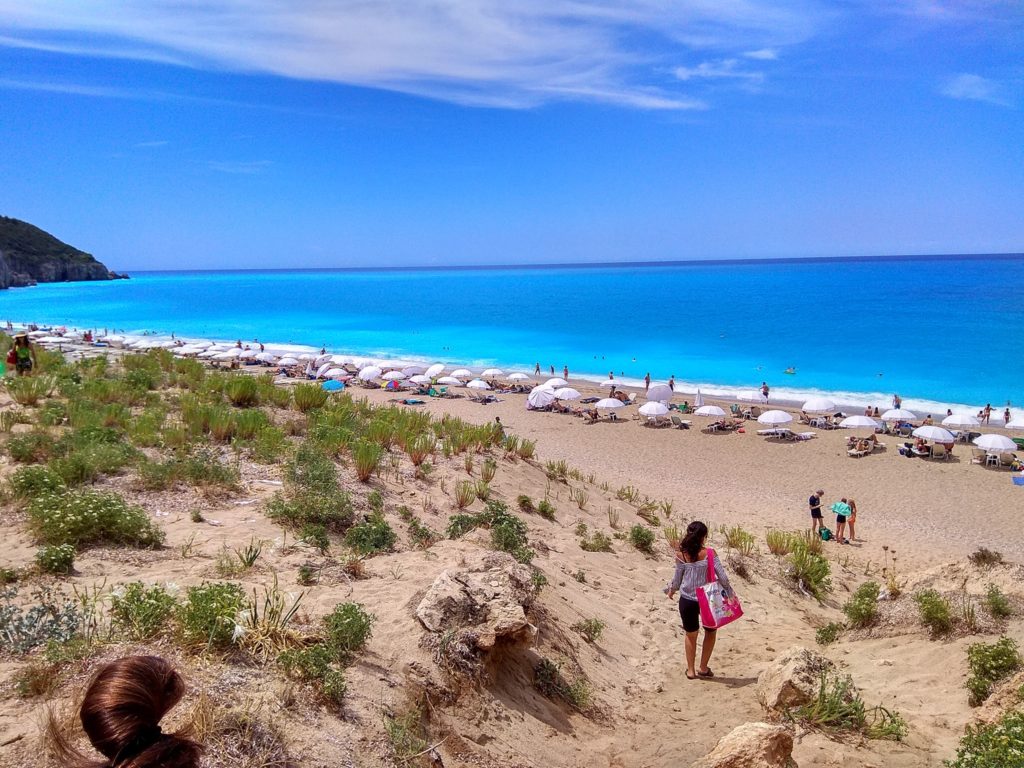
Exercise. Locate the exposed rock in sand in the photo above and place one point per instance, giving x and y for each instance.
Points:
(491, 598)
(792, 679)
(752, 745)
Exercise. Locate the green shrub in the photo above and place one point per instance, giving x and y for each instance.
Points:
(243, 391)
(52, 413)
(862, 608)
(809, 571)
(460, 525)
(643, 538)
(204, 469)
(269, 445)
(316, 535)
(988, 663)
(779, 543)
(371, 537)
(508, 534)
(596, 542)
(91, 462)
(525, 504)
(546, 509)
(314, 665)
(838, 706)
(366, 456)
(465, 493)
(32, 447)
(739, 539)
(28, 482)
(591, 629)
(157, 475)
(935, 611)
(829, 633)
(549, 680)
(249, 423)
(141, 612)
(208, 615)
(348, 628)
(312, 493)
(983, 557)
(82, 518)
(48, 617)
(29, 390)
(421, 535)
(56, 558)
(998, 745)
(997, 603)
(308, 397)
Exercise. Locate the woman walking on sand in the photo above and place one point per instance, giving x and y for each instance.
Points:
(691, 574)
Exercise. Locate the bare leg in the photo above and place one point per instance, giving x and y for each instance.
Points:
(840, 528)
(691, 653)
(853, 533)
(706, 648)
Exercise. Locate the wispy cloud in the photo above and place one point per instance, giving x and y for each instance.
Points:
(976, 88)
(763, 54)
(487, 52)
(723, 68)
(150, 144)
(246, 167)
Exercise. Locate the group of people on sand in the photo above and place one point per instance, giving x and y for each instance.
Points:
(845, 511)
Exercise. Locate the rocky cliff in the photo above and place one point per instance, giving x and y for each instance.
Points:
(28, 255)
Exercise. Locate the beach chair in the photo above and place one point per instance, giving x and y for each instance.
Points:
(679, 423)
(922, 452)
(804, 435)
(857, 453)
(977, 455)
(735, 410)
(940, 452)
(1006, 459)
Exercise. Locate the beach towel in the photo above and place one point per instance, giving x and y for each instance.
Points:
(1018, 480)
(716, 610)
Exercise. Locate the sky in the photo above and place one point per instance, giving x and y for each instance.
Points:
(174, 134)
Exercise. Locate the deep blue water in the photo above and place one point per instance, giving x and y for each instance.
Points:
(945, 330)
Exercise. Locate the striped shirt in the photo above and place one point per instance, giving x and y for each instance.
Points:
(689, 576)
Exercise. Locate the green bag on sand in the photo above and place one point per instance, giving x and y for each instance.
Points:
(826, 534)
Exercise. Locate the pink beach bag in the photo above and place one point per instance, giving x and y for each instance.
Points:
(716, 610)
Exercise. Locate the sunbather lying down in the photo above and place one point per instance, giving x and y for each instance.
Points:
(406, 401)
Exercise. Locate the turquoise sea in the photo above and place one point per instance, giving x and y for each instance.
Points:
(937, 330)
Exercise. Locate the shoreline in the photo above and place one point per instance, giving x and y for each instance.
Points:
(781, 396)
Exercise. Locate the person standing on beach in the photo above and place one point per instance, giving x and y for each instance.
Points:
(852, 519)
(611, 375)
(672, 382)
(24, 355)
(1006, 416)
(647, 381)
(536, 369)
(815, 504)
(565, 372)
(897, 401)
(842, 511)
(987, 413)
(764, 391)
(690, 575)
(552, 370)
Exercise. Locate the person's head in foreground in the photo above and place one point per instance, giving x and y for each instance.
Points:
(693, 541)
(121, 715)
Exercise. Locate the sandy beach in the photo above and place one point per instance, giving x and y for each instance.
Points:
(645, 713)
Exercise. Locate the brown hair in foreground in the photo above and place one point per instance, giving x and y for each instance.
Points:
(121, 713)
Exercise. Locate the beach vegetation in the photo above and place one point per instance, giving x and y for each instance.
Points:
(405, 734)
(596, 542)
(347, 630)
(673, 535)
(548, 679)
(308, 397)
(83, 518)
(642, 537)
(221, 424)
(8, 576)
(983, 557)
(56, 558)
(935, 611)
(829, 633)
(140, 612)
(145, 429)
(32, 447)
(243, 391)
(29, 390)
(12, 416)
(526, 449)
(422, 536)
(49, 616)
(89, 463)
(580, 496)
(997, 603)
(557, 470)
(37, 678)
(309, 574)
(421, 448)
(580, 576)
(838, 706)
(28, 482)
(546, 509)
(591, 629)
(780, 543)
(862, 608)
(366, 457)
(992, 745)
(316, 536)
(314, 664)
(209, 614)
(807, 540)
(269, 445)
(488, 469)
(482, 489)
(739, 539)
(372, 536)
(312, 493)
(988, 664)
(52, 413)
(628, 493)
(614, 516)
(465, 494)
(249, 423)
(525, 504)
(809, 571)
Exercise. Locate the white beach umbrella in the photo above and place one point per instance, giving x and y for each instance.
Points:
(369, 373)
(321, 359)
(306, 357)
(450, 380)
(698, 401)
(478, 384)
(518, 377)
(543, 388)
(434, 370)
(210, 353)
(709, 410)
(37, 334)
(224, 356)
(462, 373)
(610, 383)
(960, 420)
(773, 418)
(541, 398)
(341, 359)
(493, 372)
(750, 396)
(659, 393)
(247, 354)
(937, 434)
(394, 376)
(567, 393)
(288, 361)
(266, 357)
(898, 414)
(856, 422)
(419, 378)
(819, 405)
(334, 373)
(414, 370)
(609, 402)
(653, 408)
(323, 369)
(995, 443)
(557, 382)
(1017, 423)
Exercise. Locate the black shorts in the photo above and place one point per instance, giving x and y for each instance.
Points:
(840, 519)
(23, 365)
(689, 610)
(816, 514)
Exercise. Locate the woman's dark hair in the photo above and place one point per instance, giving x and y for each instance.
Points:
(121, 713)
(693, 541)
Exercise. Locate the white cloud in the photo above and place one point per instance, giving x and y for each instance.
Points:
(975, 88)
(487, 52)
(763, 54)
(247, 167)
(723, 68)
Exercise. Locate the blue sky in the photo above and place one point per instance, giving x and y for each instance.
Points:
(265, 133)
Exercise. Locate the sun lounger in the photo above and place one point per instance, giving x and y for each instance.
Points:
(679, 423)
(922, 452)
(978, 455)
(940, 452)
(857, 453)
(804, 435)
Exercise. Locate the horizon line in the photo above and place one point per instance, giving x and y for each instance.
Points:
(605, 264)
